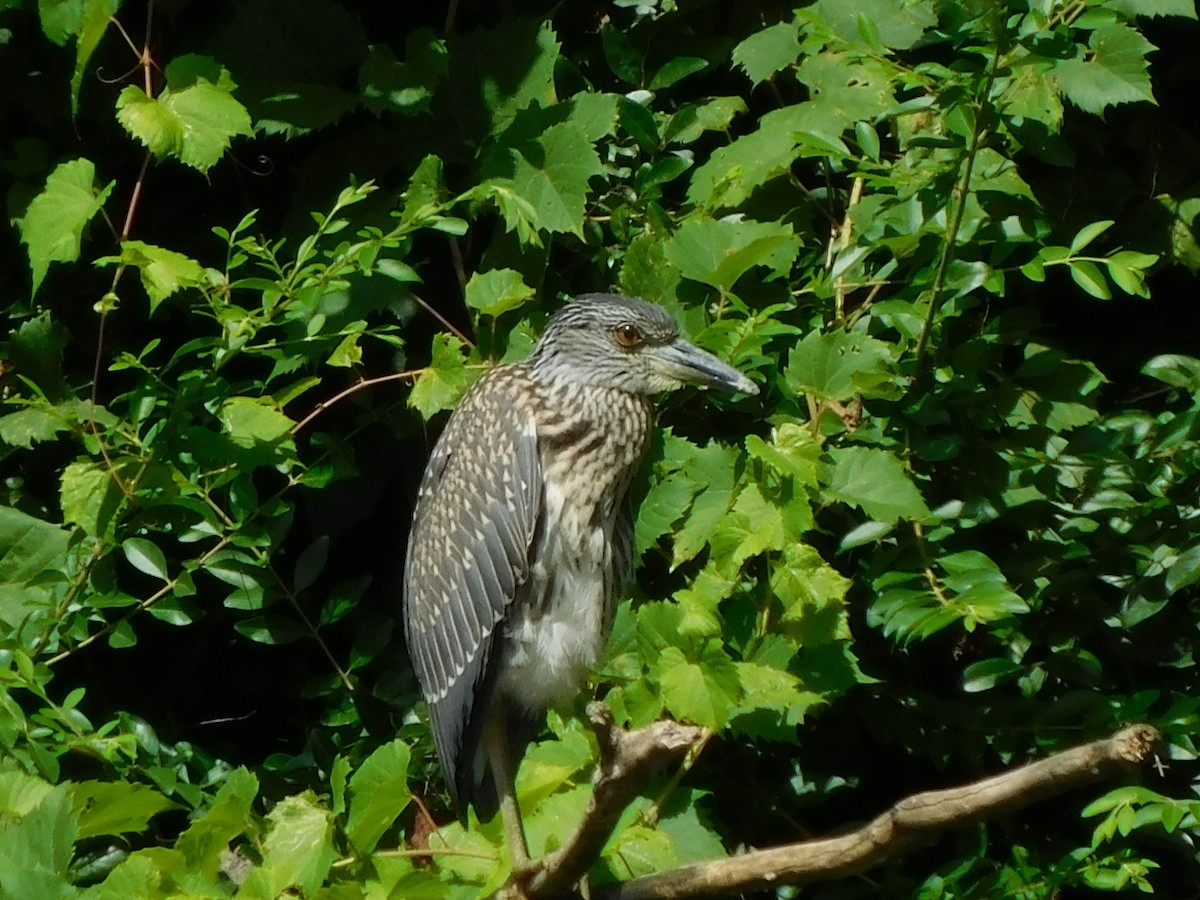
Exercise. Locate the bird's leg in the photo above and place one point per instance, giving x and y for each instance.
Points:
(504, 775)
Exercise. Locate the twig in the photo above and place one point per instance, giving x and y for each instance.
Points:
(353, 389)
(912, 821)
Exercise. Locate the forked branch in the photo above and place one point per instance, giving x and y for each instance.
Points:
(913, 821)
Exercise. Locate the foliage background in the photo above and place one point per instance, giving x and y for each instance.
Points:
(955, 242)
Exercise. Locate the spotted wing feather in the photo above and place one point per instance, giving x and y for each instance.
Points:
(468, 560)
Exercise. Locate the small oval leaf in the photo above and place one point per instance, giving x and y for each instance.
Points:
(145, 557)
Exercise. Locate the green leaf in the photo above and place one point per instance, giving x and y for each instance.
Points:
(254, 421)
(297, 852)
(1154, 8)
(1088, 276)
(844, 92)
(719, 252)
(1115, 71)
(194, 119)
(116, 807)
(444, 380)
(38, 843)
(552, 173)
(1089, 233)
(677, 69)
(52, 227)
(899, 23)
(1184, 571)
(733, 172)
(812, 594)
(145, 557)
(793, 451)
(987, 673)
(378, 795)
(497, 291)
(838, 365)
(640, 850)
(875, 481)
(97, 17)
(163, 271)
(29, 547)
(1176, 370)
(207, 839)
(90, 497)
(311, 564)
(712, 467)
(766, 52)
(703, 694)
(271, 628)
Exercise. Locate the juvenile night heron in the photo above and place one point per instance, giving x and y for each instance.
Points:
(522, 536)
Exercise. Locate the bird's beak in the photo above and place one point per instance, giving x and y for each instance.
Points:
(688, 363)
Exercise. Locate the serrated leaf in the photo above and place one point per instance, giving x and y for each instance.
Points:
(898, 23)
(497, 291)
(29, 547)
(297, 851)
(838, 365)
(1115, 71)
(53, 224)
(875, 481)
(194, 119)
(90, 497)
(713, 468)
(145, 557)
(719, 252)
(1154, 8)
(444, 380)
(766, 52)
(551, 175)
(703, 694)
(378, 794)
(163, 271)
(733, 172)
(793, 451)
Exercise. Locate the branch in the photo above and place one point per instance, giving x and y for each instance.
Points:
(912, 821)
(628, 760)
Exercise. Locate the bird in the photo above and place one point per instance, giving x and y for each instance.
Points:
(522, 534)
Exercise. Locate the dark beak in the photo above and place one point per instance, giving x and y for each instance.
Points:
(688, 363)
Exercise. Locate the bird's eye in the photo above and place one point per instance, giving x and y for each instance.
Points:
(627, 336)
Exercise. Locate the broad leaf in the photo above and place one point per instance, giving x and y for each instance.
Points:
(52, 227)
(1115, 72)
(875, 481)
(195, 117)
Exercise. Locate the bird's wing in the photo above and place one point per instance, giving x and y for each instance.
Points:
(468, 558)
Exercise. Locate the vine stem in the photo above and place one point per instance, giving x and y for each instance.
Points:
(961, 191)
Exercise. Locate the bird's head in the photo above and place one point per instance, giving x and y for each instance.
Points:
(618, 342)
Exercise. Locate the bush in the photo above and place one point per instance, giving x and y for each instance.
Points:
(267, 245)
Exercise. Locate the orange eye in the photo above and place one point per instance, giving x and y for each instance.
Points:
(627, 336)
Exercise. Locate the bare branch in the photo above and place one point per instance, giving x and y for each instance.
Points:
(910, 822)
(628, 759)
